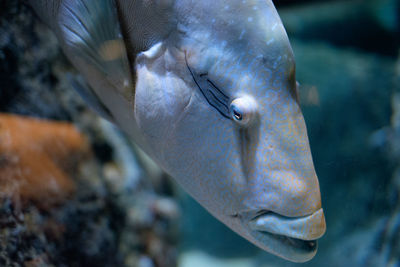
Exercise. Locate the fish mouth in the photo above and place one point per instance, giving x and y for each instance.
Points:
(297, 246)
(293, 238)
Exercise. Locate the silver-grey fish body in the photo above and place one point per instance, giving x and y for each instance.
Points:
(208, 90)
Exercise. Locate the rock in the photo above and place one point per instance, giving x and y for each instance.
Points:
(89, 224)
(38, 159)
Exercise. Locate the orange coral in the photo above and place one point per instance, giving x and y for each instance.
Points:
(38, 158)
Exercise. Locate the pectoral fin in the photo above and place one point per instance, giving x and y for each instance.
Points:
(91, 34)
(90, 97)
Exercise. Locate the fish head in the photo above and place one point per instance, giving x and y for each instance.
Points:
(217, 104)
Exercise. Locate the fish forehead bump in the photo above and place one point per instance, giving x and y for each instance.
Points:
(244, 24)
(227, 44)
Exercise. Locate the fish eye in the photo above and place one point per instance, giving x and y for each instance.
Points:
(237, 114)
(243, 110)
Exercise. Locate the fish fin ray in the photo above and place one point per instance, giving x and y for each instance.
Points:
(92, 34)
(47, 10)
(90, 97)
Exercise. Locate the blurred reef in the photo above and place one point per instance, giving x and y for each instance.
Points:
(106, 204)
(76, 192)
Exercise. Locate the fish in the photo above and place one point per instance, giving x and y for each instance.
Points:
(208, 90)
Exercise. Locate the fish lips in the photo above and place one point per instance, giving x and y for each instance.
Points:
(309, 227)
(293, 238)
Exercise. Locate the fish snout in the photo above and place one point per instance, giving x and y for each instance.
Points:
(306, 228)
(292, 238)
(299, 195)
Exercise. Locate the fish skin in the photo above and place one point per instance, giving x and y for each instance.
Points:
(182, 68)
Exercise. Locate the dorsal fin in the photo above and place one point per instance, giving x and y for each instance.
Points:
(90, 30)
(46, 9)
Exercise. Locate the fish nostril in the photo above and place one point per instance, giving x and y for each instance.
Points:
(235, 215)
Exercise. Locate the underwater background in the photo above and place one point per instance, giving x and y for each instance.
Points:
(91, 198)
